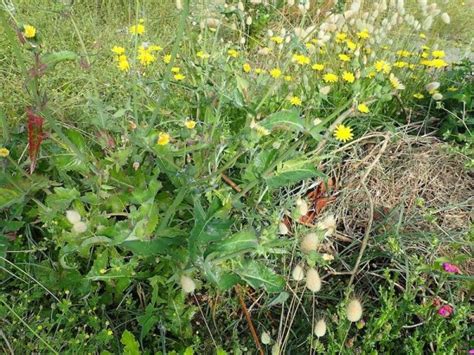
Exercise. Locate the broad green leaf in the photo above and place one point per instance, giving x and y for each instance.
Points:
(52, 59)
(147, 320)
(288, 120)
(131, 346)
(8, 197)
(153, 247)
(62, 198)
(240, 242)
(291, 172)
(258, 275)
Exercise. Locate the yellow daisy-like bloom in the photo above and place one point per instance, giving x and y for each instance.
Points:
(202, 55)
(4, 152)
(343, 133)
(137, 29)
(364, 34)
(419, 96)
(309, 45)
(363, 108)
(318, 67)
(29, 31)
(341, 37)
(145, 57)
(247, 68)
(295, 101)
(301, 59)
(163, 138)
(351, 45)
(179, 77)
(118, 50)
(403, 53)
(434, 63)
(395, 82)
(425, 55)
(382, 66)
(190, 124)
(400, 64)
(155, 48)
(233, 53)
(288, 78)
(260, 71)
(452, 89)
(330, 78)
(277, 39)
(123, 63)
(167, 58)
(371, 74)
(344, 57)
(348, 76)
(175, 70)
(275, 73)
(422, 36)
(438, 54)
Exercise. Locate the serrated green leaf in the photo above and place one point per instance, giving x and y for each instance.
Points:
(291, 172)
(258, 275)
(52, 59)
(288, 120)
(131, 346)
(240, 242)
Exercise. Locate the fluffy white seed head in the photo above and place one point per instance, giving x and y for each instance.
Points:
(179, 5)
(437, 96)
(432, 86)
(79, 227)
(265, 338)
(302, 207)
(276, 349)
(187, 284)
(309, 243)
(73, 216)
(297, 273)
(320, 328)
(328, 224)
(354, 310)
(445, 18)
(313, 281)
(282, 229)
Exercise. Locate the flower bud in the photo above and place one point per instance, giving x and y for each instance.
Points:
(354, 310)
(313, 281)
(79, 227)
(298, 273)
(320, 328)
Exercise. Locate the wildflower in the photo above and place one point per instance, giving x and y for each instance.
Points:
(438, 63)
(295, 101)
(79, 227)
(445, 18)
(349, 77)
(395, 82)
(448, 267)
(247, 68)
(363, 108)
(233, 53)
(297, 273)
(163, 138)
(4, 152)
(155, 48)
(118, 50)
(123, 63)
(344, 57)
(433, 86)
(364, 34)
(330, 78)
(29, 31)
(175, 70)
(309, 243)
(179, 77)
(445, 311)
(418, 96)
(422, 36)
(202, 55)
(320, 328)
(403, 53)
(313, 281)
(277, 39)
(400, 64)
(73, 217)
(317, 67)
(137, 29)
(354, 310)
(343, 133)
(452, 89)
(259, 71)
(328, 257)
(301, 59)
(341, 37)
(288, 78)
(351, 45)
(167, 58)
(275, 73)
(325, 90)
(382, 66)
(437, 96)
(145, 57)
(187, 284)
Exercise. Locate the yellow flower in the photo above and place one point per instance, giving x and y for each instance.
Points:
(418, 96)
(301, 59)
(4, 152)
(341, 37)
(295, 101)
(425, 55)
(343, 133)
(349, 77)
(309, 45)
(403, 53)
(277, 39)
(260, 71)
(167, 58)
(155, 48)
(351, 45)
(145, 57)
(29, 31)
(400, 64)
(363, 108)
(434, 63)
(422, 36)
(247, 68)
(344, 57)
(395, 82)
(190, 124)
(118, 50)
(175, 70)
(275, 73)
(179, 77)
(288, 78)
(318, 67)
(123, 63)
(137, 29)
(202, 55)
(364, 34)
(330, 78)
(382, 66)
(452, 89)
(371, 74)
(163, 138)
(233, 53)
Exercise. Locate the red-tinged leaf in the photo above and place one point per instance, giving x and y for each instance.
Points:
(322, 203)
(35, 136)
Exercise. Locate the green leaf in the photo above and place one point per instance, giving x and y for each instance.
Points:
(153, 247)
(8, 197)
(258, 275)
(131, 346)
(61, 198)
(52, 59)
(288, 120)
(240, 242)
(291, 172)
